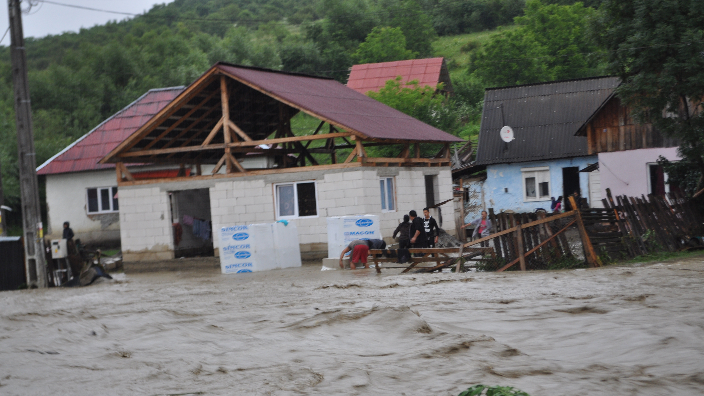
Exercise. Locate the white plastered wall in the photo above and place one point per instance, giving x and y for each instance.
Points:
(246, 200)
(66, 201)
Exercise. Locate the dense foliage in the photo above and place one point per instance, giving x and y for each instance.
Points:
(79, 79)
(657, 48)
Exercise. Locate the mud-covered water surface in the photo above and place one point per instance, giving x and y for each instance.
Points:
(611, 331)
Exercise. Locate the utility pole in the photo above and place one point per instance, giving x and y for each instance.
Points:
(31, 216)
(3, 220)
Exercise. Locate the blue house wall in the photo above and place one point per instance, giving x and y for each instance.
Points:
(502, 176)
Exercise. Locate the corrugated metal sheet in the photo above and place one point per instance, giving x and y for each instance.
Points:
(373, 76)
(84, 153)
(328, 99)
(544, 117)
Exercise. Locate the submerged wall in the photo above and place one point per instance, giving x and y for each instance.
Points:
(147, 234)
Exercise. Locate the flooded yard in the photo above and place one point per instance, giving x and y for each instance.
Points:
(635, 330)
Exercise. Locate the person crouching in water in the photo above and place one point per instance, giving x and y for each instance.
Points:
(360, 251)
(482, 228)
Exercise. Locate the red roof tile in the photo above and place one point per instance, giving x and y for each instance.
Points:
(373, 76)
(84, 153)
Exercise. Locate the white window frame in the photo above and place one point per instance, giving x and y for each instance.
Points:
(385, 199)
(541, 175)
(102, 210)
(295, 200)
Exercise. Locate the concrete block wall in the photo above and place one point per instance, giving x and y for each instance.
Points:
(145, 224)
(146, 229)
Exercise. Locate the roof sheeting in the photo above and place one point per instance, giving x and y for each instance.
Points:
(544, 118)
(329, 100)
(84, 153)
(373, 76)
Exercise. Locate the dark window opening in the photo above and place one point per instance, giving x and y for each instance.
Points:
(306, 199)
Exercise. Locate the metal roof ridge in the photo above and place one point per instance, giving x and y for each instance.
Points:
(493, 161)
(263, 69)
(551, 94)
(548, 82)
(47, 162)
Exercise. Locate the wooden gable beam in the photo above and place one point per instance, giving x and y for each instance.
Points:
(239, 131)
(165, 113)
(211, 135)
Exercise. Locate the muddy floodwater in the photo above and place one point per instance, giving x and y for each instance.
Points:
(635, 330)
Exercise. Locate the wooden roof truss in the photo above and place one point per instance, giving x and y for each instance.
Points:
(221, 120)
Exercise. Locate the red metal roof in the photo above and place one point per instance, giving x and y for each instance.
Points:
(373, 76)
(84, 153)
(329, 100)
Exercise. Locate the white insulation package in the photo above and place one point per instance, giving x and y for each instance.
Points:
(345, 229)
(259, 247)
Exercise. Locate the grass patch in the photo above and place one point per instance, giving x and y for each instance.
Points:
(457, 49)
(661, 256)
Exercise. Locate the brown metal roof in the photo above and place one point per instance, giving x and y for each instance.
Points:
(328, 99)
(259, 101)
(544, 117)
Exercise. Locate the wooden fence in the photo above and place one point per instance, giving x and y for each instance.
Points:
(631, 226)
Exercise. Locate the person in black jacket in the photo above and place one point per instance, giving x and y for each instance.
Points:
(68, 232)
(404, 240)
(431, 228)
(419, 238)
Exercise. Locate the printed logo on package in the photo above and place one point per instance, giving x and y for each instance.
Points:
(364, 222)
(243, 254)
(240, 236)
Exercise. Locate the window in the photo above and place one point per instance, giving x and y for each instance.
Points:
(658, 182)
(102, 200)
(536, 184)
(295, 200)
(388, 198)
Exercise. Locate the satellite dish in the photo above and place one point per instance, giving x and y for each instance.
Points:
(506, 134)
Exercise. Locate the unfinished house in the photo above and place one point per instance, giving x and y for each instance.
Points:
(358, 156)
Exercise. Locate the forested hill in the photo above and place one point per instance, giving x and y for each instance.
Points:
(79, 79)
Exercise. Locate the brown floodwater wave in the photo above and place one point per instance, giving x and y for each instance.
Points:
(613, 331)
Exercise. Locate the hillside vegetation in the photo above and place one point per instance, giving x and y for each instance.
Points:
(79, 79)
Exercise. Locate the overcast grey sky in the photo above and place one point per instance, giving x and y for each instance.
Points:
(45, 18)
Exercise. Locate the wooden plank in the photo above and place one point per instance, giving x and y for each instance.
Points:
(590, 255)
(531, 224)
(219, 164)
(351, 156)
(551, 239)
(232, 145)
(521, 256)
(205, 143)
(239, 131)
(236, 163)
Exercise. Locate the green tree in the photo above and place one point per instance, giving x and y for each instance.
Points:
(551, 42)
(510, 58)
(416, 24)
(657, 49)
(383, 44)
(419, 102)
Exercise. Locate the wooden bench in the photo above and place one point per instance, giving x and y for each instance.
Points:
(439, 256)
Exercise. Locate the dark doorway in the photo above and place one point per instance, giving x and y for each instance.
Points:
(570, 184)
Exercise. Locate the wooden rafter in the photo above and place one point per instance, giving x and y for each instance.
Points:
(178, 122)
(208, 127)
(351, 156)
(188, 128)
(219, 164)
(239, 131)
(122, 172)
(224, 100)
(361, 153)
(207, 140)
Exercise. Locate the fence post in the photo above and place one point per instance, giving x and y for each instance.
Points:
(519, 237)
(589, 253)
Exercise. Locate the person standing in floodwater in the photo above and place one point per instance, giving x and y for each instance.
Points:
(404, 240)
(482, 227)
